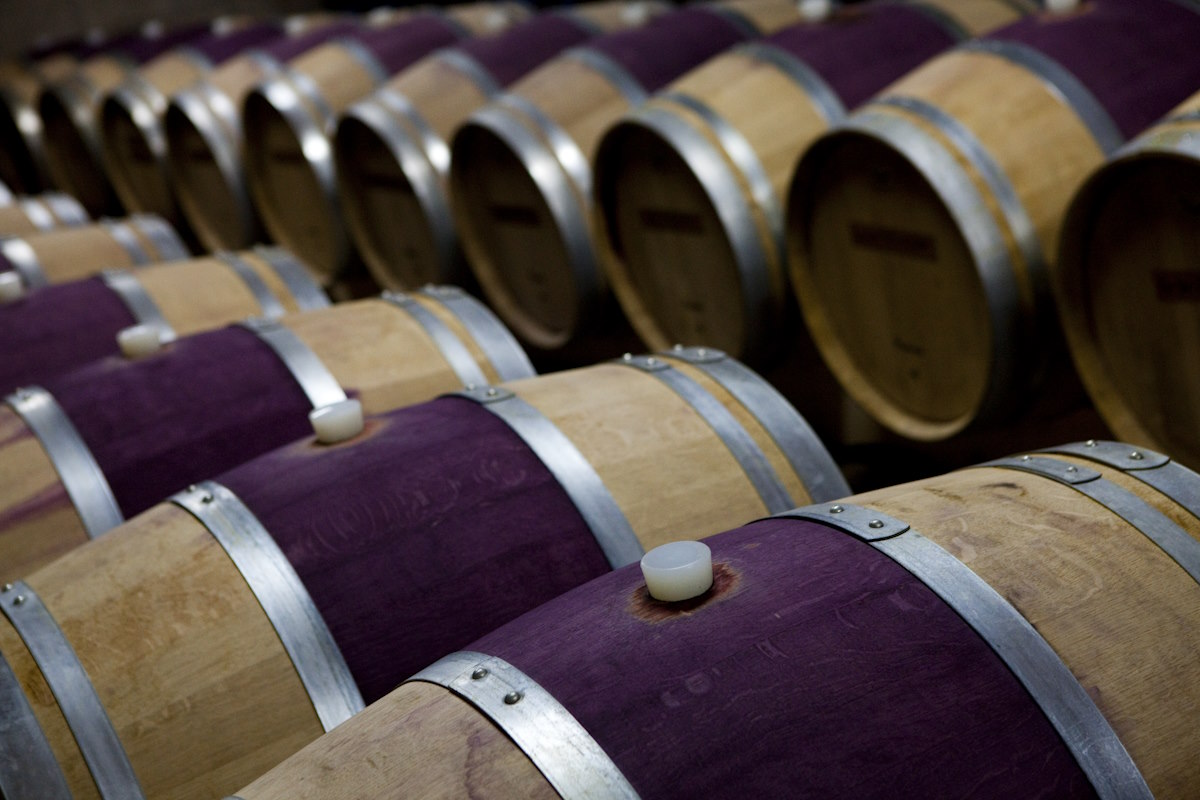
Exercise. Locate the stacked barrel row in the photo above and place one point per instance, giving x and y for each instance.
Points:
(200, 587)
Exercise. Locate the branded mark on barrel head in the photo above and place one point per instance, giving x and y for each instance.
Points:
(644, 607)
(1176, 286)
(884, 239)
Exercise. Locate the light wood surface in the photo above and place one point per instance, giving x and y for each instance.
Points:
(665, 467)
(38, 520)
(15, 219)
(892, 295)
(69, 254)
(204, 293)
(288, 190)
(132, 159)
(388, 221)
(487, 18)
(1128, 288)
(502, 210)
(189, 669)
(1120, 613)
(460, 753)
(214, 208)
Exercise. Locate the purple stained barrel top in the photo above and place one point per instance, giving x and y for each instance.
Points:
(285, 48)
(202, 405)
(863, 49)
(817, 667)
(661, 51)
(434, 527)
(142, 48)
(218, 47)
(509, 55)
(1139, 58)
(399, 45)
(57, 328)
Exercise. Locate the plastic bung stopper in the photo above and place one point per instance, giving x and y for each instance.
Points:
(12, 288)
(634, 14)
(1061, 6)
(678, 571)
(815, 10)
(337, 422)
(139, 341)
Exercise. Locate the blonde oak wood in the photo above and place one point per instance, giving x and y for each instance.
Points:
(673, 261)
(1128, 288)
(665, 467)
(15, 219)
(190, 671)
(216, 203)
(402, 366)
(487, 18)
(1120, 613)
(282, 181)
(204, 293)
(69, 254)
(889, 289)
(38, 520)
(132, 159)
(386, 219)
(502, 209)
(376, 754)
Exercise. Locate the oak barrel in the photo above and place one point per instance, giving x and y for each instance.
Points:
(438, 523)
(68, 254)
(40, 213)
(520, 174)
(1128, 286)
(392, 149)
(69, 109)
(289, 121)
(144, 428)
(921, 230)
(133, 146)
(689, 186)
(203, 128)
(1019, 629)
(57, 328)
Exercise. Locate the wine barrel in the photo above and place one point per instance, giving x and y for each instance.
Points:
(203, 127)
(1128, 285)
(688, 187)
(68, 110)
(1017, 629)
(58, 328)
(438, 523)
(69, 254)
(40, 213)
(391, 150)
(22, 156)
(289, 119)
(921, 230)
(146, 427)
(520, 176)
(133, 146)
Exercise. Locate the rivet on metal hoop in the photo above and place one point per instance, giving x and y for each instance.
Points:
(512, 698)
(1025, 458)
(836, 509)
(1090, 443)
(19, 600)
(479, 674)
(875, 523)
(1136, 456)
